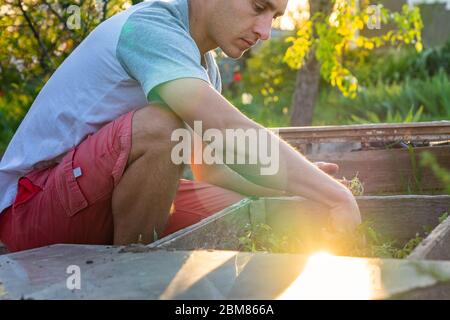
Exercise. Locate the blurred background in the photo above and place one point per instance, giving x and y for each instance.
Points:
(331, 62)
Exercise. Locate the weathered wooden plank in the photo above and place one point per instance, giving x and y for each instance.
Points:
(219, 231)
(419, 131)
(389, 171)
(159, 274)
(396, 217)
(439, 291)
(400, 217)
(436, 246)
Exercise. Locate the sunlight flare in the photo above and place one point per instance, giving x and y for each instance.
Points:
(329, 277)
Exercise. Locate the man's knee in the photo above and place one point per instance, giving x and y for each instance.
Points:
(152, 130)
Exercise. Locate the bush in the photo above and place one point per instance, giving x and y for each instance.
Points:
(398, 65)
(425, 99)
(269, 83)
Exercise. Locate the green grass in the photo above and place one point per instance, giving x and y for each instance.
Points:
(365, 241)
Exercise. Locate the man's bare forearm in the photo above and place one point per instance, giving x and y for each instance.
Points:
(221, 175)
(194, 100)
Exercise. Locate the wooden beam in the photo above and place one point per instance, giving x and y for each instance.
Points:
(390, 171)
(218, 231)
(436, 246)
(397, 217)
(401, 217)
(420, 131)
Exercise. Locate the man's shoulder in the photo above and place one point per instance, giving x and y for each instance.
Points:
(160, 10)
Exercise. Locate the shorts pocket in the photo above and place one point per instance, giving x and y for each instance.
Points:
(69, 191)
(31, 191)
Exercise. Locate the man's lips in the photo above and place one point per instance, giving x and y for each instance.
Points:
(249, 42)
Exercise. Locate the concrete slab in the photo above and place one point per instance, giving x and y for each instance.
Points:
(148, 273)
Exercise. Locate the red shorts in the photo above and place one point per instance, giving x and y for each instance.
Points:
(70, 202)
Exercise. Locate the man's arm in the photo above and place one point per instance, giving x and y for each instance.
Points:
(221, 175)
(195, 100)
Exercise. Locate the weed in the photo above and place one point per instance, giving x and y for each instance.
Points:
(365, 241)
(443, 217)
(428, 160)
(355, 185)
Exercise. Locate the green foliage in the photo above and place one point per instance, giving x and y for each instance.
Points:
(414, 100)
(363, 242)
(389, 66)
(261, 238)
(270, 83)
(428, 160)
(396, 65)
(395, 85)
(35, 37)
(433, 60)
(443, 217)
(391, 117)
(354, 185)
(331, 38)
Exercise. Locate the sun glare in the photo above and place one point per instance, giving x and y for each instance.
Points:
(329, 277)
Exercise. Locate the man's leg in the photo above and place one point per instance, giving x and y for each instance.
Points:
(195, 201)
(116, 185)
(142, 200)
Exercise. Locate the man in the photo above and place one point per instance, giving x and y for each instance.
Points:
(91, 162)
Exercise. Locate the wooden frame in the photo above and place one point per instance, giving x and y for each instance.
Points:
(390, 171)
(382, 170)
(436, 246)
(417, 131)
(398, 217)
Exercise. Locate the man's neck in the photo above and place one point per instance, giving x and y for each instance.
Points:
(198, 25)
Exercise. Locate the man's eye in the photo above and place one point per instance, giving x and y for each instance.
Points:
(258, 8)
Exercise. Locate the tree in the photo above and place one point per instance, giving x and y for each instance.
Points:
(322, 44)
(35, 37)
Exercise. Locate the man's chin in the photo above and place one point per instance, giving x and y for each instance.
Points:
(234, 53)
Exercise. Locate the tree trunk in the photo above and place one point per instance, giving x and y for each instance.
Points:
(308, 78)
(306, 91)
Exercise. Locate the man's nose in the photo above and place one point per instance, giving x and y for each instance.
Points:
(263, 27)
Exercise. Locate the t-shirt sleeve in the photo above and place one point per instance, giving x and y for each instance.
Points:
(155, 47)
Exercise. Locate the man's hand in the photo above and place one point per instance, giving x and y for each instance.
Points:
(344, 216)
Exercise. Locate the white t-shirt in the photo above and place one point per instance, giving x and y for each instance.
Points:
(113, 71)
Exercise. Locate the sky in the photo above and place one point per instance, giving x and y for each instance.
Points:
(293, 8)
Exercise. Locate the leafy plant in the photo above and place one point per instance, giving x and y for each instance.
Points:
(391, 117)
(355, 185)
(365, 241)
(268, 82)
(332, 37)
(35, 37)
(428, 160)
(443, 217)
(414, 100)
(261, 238)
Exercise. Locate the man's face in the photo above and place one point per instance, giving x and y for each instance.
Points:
(236, 25)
